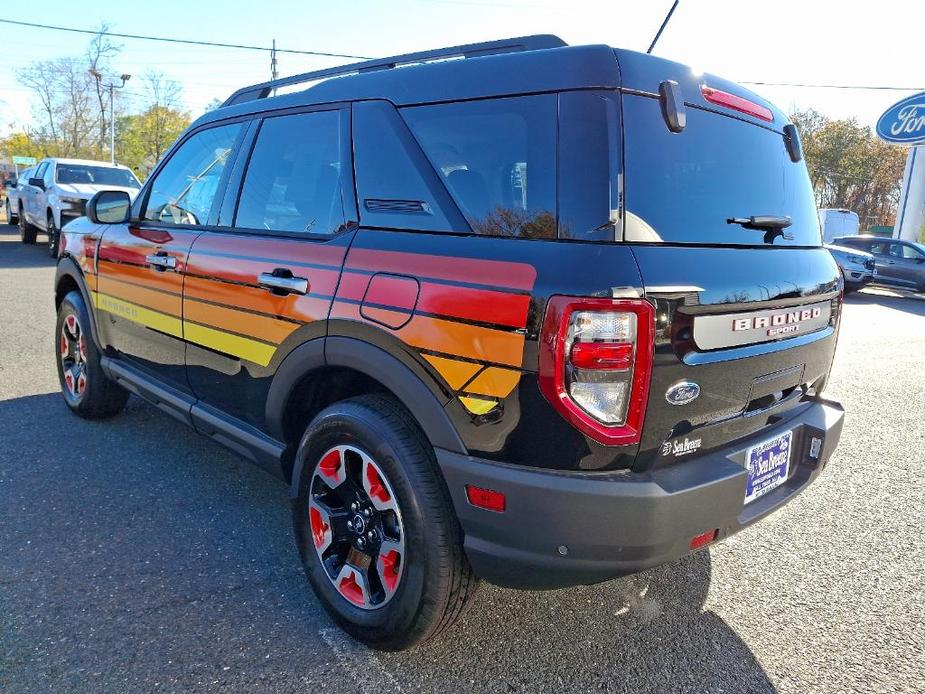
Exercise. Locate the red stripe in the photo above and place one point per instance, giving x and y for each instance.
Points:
(497, 273)
(398, 292)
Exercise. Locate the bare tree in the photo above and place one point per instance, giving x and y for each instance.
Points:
(98, 55)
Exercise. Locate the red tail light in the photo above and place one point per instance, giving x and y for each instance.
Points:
(595, 364)
(736, 103)
(488, 499)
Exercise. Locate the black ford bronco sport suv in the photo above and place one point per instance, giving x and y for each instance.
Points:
(536, 314)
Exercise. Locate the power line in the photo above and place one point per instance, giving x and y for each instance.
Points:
(191, 42)
(837, 86)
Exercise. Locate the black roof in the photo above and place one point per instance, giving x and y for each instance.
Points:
(524, 65)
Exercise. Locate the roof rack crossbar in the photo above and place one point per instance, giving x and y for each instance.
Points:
(472, 50)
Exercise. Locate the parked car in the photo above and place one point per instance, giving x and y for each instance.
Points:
(514, 317)
(56, 193)
(858, 268)
(838, 222)
(899, 263)
(13, 195)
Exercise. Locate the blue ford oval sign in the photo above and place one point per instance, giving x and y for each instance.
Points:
(682, 393)
(904, 123)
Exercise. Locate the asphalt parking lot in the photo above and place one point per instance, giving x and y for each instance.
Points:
(137, 556)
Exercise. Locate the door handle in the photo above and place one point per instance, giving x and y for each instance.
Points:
(161, 261)
(281, 281)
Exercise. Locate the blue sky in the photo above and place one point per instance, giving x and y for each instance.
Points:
(784, 41)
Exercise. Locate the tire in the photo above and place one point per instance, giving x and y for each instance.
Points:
(10, 217)
(86, 389)
(53, 236)
(27, 232)
(421, 580)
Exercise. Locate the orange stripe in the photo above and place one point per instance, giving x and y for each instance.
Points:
(301, 308)
(495, 382)
(470, 341)
(260, 327)
(455, 373)
(149, 277)
(148, 298)
(320, 280)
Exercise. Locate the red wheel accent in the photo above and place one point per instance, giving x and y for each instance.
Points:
(352, 590)
(83, 348)
(330, 465)
(81, 384)
(65, 350)
(71, 322)
(390, 564)
(377, 489)
(69, 381)
(319, 527)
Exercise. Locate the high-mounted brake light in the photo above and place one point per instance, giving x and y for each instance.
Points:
(736, 103)
(595, 363)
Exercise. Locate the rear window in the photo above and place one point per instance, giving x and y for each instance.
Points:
(498, 160)
(683, 187)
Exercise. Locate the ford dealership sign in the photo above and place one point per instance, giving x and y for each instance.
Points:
(904, 123)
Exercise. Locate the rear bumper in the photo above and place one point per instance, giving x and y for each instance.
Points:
(614, 524)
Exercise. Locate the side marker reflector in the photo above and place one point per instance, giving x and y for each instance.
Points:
(488, 499)
(704, 539)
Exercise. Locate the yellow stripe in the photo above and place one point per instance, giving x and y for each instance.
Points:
(454, 372)
(477, 405)
(252, 350)
(139, 314)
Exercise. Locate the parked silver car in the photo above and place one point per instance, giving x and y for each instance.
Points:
(858, 267)
(899, 263)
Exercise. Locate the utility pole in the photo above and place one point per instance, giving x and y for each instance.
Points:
(274, 66)
(112, 113)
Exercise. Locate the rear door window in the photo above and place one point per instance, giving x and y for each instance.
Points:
(293, 180)
(497, 158)
(683, 187)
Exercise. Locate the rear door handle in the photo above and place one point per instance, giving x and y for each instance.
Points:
(161, 261)
(281, 281)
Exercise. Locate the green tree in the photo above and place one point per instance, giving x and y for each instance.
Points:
(142, 139)
(850, 167)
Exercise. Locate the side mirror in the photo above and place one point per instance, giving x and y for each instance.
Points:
(109, 207)
(9, 183)
(37, 183)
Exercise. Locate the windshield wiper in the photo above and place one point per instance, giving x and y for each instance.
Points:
(772, 225)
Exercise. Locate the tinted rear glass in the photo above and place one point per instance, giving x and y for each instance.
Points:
(683, 187)
(498, 160)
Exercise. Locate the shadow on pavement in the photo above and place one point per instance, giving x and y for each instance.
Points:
(898, 299)
(138, 554)
(15, 254)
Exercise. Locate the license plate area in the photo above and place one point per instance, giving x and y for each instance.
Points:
(768, 465)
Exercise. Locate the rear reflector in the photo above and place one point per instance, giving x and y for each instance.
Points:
(602, 355)
(704, 539)
(736, 103)
(488, 499)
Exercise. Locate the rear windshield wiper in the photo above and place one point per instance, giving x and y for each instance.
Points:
(773, 226)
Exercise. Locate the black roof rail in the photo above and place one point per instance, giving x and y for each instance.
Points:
(471, 50)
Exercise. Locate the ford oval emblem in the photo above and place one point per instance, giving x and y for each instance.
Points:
(682, 393)
(904, 122)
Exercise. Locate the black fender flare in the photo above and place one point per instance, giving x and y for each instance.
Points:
(67, 266)
(374, 362)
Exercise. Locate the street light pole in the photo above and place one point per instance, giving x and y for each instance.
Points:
(112, 113)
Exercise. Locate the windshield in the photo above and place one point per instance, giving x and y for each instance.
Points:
(96, 175)
(685, 187)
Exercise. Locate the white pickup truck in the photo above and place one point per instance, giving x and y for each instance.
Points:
(57, 190)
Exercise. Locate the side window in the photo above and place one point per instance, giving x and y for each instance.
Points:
(39, 172)
(880, 248)
(911, 252)
(497, 157)
(183, 191)
(293, 179)
(49, 175)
